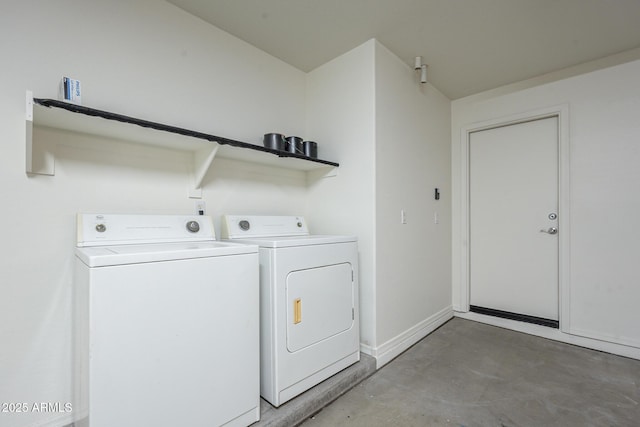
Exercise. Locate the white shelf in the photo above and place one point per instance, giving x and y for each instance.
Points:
(205, 148)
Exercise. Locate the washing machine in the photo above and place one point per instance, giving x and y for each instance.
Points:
(167, 327)
(309, 327)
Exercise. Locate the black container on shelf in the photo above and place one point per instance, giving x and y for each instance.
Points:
(294, 144)
(310, 149)
(274, 141)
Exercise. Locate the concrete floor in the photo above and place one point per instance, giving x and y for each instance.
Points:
(471, 374)
(297, 410)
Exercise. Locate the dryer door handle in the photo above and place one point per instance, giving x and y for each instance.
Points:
(297, 311)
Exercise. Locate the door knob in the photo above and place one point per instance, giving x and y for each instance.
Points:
(551, 230)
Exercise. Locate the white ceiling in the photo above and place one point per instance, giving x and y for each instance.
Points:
(469, 45)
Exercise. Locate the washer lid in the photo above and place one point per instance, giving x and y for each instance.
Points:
(102, 256)
(291, 241)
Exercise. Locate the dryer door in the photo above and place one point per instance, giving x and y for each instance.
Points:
(320, 304)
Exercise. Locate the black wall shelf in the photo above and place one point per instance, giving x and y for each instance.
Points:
(51, 113)
(74, 108)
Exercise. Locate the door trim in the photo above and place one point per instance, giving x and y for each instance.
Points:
(562, 113)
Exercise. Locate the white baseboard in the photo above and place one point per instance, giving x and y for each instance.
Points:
(366, 349)
(552, 334)
(389, 350)
(599, 336)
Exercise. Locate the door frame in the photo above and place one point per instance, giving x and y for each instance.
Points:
(562, 113)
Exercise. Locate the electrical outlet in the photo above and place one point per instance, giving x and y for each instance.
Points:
(201, 207)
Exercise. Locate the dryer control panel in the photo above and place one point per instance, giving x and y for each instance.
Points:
(247, 226)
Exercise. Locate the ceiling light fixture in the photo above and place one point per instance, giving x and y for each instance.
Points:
(418, 63)
(419, 66)
(423, 74)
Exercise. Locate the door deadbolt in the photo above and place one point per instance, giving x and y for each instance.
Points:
(553, 216)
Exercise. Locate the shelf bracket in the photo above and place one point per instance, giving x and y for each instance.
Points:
(321, 173)
(29, 132)
(38, 161)
(202, 160)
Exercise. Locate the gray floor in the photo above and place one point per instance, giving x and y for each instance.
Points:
(297, 410)
(471, 374)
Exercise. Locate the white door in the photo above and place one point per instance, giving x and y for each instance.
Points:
(513, 202)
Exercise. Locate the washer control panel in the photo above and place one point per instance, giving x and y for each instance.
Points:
(108, 229)
(193, 226)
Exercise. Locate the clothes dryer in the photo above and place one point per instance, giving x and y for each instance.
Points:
(309, 317)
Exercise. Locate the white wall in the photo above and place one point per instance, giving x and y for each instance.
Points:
(394, 135)
(604, 201)
(142, 58)
(413, 282)
(340, 117)
(148, 59)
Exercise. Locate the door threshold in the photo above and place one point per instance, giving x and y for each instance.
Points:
(515, 316)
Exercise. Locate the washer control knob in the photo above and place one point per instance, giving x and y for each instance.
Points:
(101, 228)
(299, 224)
(193, 226)
(244, 225)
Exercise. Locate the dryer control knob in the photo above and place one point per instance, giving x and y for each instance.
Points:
(244, 225)
(101, 228)
(193, 226)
